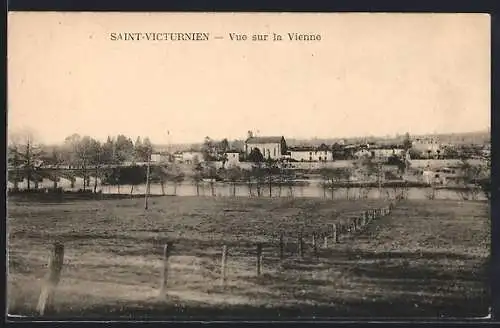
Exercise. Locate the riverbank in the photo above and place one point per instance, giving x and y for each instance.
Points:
(229, 190)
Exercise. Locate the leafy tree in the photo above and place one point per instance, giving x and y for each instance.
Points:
(143, 150)
(473, 179)
(124, 149)
(223, 146)
(138, 150)
(450, 153)
(107, 152)
(415, 154)
(407, 144)
(370, 167)
(256, 156)
(136, 175)
(208, 149)
(399, 162)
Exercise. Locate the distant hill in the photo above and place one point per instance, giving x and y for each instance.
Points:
(478, 137)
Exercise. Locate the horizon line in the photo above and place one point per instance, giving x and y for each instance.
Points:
(383, 137)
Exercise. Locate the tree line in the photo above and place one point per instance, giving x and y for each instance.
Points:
(26, 157)
(88, 156)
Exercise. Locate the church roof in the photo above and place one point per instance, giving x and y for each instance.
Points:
(264, 140)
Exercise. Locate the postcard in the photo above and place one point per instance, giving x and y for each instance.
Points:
(248, 166)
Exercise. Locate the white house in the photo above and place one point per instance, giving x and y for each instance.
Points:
(387, 152)
(363, 152)
(380, 152)
(427, 146)
(270, 147)
(159, 158)
(309, 154)
(191, 157)
(177, 156)
(233, 158)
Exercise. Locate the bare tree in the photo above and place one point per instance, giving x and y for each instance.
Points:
(247, 177)
(25, 156)
(234, 174)
(211, 174)
(84, 153)
(271, 167)
(373, 168)
(197, 174)
(160, 172)
(431, 192)
(55, 161)
(332, 177)
(172, 173)
(96, 152)
(15, 165)
(325, 176)
(258, 175)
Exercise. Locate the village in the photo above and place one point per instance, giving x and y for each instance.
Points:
(420, 159)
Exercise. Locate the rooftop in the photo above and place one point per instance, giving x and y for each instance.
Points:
(264, 140)
(305, 148)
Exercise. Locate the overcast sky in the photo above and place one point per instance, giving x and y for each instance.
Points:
(371, 74)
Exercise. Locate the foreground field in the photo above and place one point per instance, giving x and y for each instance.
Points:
(428, 258)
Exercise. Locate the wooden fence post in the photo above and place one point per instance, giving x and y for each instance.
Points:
(52, 278)
(282, 247)
(314, 244)
(223, 265)
(259, 258)
(300, 245)
(167, 249)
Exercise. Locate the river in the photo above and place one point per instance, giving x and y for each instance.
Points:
(221, 189)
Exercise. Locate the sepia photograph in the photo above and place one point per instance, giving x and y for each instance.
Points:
(248, 166)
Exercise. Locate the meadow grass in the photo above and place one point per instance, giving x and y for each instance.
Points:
(427, 258)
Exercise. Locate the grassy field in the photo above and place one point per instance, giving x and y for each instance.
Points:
(427, 258)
